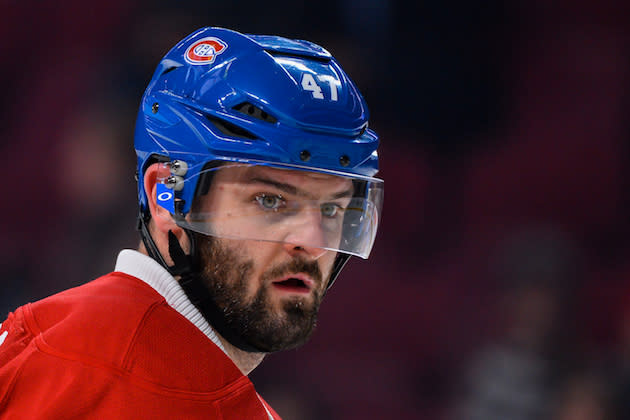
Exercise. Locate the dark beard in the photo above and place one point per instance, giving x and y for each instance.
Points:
(226, 275)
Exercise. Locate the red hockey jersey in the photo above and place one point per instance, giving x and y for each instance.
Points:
(114, 349)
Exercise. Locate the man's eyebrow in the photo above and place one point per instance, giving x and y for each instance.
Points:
(343, 194)
(293, 190)
(287, 188)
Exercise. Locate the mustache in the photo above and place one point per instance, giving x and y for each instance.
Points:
(311, 268)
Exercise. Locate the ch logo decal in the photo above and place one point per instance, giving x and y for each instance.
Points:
(205, 50)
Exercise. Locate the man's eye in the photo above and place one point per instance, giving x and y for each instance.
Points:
(270, 202)
(330, 209)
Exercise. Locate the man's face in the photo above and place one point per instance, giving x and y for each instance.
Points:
(271, 290)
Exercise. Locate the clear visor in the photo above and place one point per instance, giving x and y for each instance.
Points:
(288, 205)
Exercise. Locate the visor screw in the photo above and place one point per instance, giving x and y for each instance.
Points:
(305, 155)
(155, 107)
(174, 182)
(344, 160)
(179, 167)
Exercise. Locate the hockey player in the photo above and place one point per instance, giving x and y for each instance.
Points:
(255, 184)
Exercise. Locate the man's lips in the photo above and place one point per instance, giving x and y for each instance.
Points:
(296, 283)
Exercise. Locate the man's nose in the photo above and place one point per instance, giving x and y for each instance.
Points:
(307, 237)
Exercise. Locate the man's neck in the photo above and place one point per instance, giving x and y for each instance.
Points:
(244, 360)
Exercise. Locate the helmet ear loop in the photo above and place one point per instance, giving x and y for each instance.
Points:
(182, 262)
(148, 241)
(183, 265)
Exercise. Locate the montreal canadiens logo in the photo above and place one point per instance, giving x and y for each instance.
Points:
(205, 50)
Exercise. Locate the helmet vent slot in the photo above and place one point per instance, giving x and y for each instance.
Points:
(254, 111)
(230, 129)
(319, 59)
(170, 69)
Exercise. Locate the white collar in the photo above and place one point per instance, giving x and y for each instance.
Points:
(148, 270)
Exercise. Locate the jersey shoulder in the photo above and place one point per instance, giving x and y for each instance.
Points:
(113, 348)
(98, 319)
(121, 322)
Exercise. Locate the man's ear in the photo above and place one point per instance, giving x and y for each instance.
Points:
(161, 217)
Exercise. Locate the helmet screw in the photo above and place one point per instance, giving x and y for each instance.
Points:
(344, 160)
(305, 155)
(175, 182)
(155, 107)
(179, 167)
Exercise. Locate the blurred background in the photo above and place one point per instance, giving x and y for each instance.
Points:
(499, 286)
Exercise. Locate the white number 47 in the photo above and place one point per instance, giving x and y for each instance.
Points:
(309, 83)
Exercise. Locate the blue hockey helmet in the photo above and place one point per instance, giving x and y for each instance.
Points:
(223, 99)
